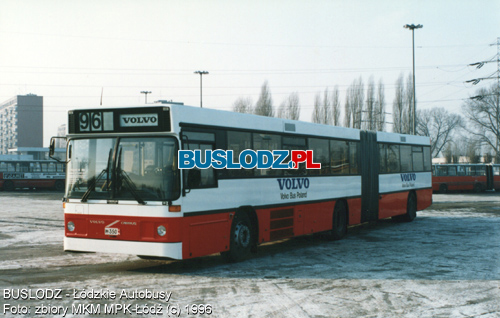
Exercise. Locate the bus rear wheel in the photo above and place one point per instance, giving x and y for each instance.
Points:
(59, 185)
(339, 222)
(242, 238)
(443, 188)
(478, 188)
(411, 208)
(8, 185)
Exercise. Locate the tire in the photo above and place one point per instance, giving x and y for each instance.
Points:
(411, 208)
(339, 222)
(8, 185)
(242, 238)
(443, 188)
(478, 188)
(59, 185)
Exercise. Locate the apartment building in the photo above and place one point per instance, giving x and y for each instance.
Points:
(21, 122)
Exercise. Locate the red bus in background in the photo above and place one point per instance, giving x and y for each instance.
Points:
(465, 177)
(46, 174)
(494, 180)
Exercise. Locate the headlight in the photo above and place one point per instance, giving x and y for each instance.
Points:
(161, 230)
(71, 226)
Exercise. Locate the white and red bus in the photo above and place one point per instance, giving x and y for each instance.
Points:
(32, 174)
(125, 193)
(465, 177)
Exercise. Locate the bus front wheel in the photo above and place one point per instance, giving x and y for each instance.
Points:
(242, 238)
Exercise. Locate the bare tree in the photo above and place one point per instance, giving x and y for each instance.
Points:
(243, 105)
(438, 124)
(264, 105)
(335, 102)
(290, 108)
(326, 109)
(316, 114)
(354, 104)
(357, 102)
(473, 151)
(369, 111)
(322, 113)
(347, 111)
(380, 107)
(483, 115)
(398, 106)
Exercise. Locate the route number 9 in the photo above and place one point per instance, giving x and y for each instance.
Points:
(90, 121)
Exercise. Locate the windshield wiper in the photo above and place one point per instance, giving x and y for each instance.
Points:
(124, 177)
(91, 186)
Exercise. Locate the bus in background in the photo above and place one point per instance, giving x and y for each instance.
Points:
(125, 192)
(32, 174)
(495, 177)
(465, 177)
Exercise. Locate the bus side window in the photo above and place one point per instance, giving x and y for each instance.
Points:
(452, 170)
(22, 167)
(266, 142)
(321, 154)
(353, 157)
(461, 171)
(52, 167)
(440, 171)
(406, 164)
(339, 156)
(382, 150)
(481, 170)
(418, 162)
(392, 158)
(427, 159)
(295, 143)
(237, 141)
(36, 167)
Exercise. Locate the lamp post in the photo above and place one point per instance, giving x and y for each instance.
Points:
(201, 85)
(412, 27)
(146, 96)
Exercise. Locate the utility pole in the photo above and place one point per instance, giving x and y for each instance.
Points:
(146, 95)
(201, 85)
(497, 93)
(412, 27)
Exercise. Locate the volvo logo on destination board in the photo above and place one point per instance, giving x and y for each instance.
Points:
(138, 120)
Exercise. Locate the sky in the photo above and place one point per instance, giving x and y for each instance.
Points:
(70, 52)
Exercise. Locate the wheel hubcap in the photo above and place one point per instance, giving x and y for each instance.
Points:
(242, 235)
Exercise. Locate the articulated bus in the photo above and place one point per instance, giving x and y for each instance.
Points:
(39, 174)
(465, 177)
(126, 192)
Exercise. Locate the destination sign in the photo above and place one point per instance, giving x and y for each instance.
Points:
(144, 119)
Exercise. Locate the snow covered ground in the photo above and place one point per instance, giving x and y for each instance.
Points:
(444, 264)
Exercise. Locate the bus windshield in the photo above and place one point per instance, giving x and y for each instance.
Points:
(132, 168)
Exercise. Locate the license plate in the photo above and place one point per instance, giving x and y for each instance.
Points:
(111, 231)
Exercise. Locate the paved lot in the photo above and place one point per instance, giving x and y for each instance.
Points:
(444, 264)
